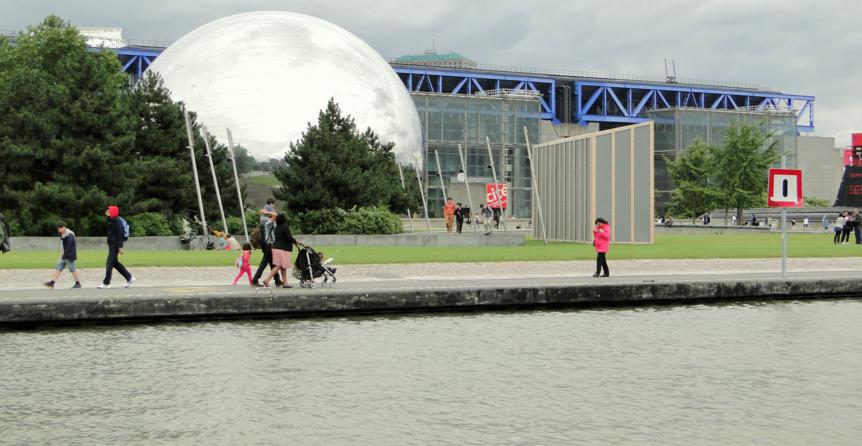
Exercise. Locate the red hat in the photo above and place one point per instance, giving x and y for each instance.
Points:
(113, 211)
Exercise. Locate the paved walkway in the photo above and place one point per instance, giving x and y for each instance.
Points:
(453, 273)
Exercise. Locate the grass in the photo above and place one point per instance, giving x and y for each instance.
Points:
(266, 180)
(667, 246)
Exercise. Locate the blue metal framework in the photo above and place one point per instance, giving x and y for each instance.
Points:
(136, 60)
(628, 103)
(419, 79)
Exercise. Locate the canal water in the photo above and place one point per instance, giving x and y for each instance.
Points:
(771, 373)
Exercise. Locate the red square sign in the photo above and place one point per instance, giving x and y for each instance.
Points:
(496, 195)
(785, 188)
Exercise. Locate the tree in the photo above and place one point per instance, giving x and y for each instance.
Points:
(66, 131)
(335, 166)
(741, 166)
(694, 193)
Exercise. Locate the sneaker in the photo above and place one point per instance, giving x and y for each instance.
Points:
(596, 275)
(234, 284)
(76, 285)
(48, 284)
(130, 282)
(104, 286)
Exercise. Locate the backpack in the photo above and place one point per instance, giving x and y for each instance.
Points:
(125, 228)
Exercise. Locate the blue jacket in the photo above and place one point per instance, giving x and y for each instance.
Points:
(116, 232)
(70, 247)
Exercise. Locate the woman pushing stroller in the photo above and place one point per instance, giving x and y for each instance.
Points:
(281, 250)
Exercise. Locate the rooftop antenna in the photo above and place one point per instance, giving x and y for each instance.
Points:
(671, 78)
(433, 49)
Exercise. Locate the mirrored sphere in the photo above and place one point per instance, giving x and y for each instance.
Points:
(265, 75)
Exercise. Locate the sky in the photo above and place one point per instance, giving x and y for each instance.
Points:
(798, 47)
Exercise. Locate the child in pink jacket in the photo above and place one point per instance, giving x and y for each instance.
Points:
(245, 263)
(601, 241)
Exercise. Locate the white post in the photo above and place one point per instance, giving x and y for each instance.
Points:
(422, 192)
(404, 186)
(195, 171)
(440, 175)
(467, 186)
(783, 229)
(496, 184)
(238, 190)
(215, 179)
(535, 185)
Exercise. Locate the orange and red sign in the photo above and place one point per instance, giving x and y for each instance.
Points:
(496, 195)
(785, 188)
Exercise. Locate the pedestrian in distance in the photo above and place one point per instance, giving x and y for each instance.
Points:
(601, 243)
(487, 217)
(5, 234)
(805, 224)
(449, 213)
(848, 227)
(825, 222)
(857, 227)
(281, 249)
(476, 221)
(266, 239)
(68, 257)
(118, 233)
(244, 263)
(838, 228)
(459, 217)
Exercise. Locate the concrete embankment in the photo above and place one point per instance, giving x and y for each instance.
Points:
(32, 307)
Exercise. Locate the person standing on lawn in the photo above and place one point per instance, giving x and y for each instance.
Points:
(68, 258)
(116, 237)
(601, 242)
(449, 213)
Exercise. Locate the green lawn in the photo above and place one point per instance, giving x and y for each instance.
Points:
(667, 246)
(266, 180)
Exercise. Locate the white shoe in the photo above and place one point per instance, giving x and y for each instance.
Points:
(103, 286)
(130, 282)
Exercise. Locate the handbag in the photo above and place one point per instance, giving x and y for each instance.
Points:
(238, 262)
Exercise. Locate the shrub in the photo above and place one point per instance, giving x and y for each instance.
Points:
(322, 221)
(148, 224)
(371, 220)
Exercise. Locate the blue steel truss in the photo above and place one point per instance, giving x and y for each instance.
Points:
(419, 79)
(627, 103)
(136, 60)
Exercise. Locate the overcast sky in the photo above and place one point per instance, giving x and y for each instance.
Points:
(799, 47)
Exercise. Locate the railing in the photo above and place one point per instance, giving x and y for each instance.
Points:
(509, 92)
(769, 108)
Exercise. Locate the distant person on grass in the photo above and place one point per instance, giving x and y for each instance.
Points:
(838, 228)
(67, 259)
(601, 242)
(449, 213)
(116, 237)
(244, 264)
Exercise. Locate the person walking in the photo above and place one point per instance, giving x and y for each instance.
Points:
(805, 224)
(487, 216)
(857, 227)
(825, 222)
(281, 249)
(5, 235)
(67, 259)
(267, 238)
(116, 237)
(449, 213)
(601, 242)
(848, 226)
(838, 228)
(244, 264)
(459, 217)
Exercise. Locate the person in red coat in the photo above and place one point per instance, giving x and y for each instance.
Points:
(601, 241)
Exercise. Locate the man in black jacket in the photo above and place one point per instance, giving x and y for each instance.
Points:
(4, 235)
(116, 237)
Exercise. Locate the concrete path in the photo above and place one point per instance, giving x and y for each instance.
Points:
(449, 273)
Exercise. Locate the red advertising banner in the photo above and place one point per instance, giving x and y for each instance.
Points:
(496, 195)
(849, 160)
(785, 188)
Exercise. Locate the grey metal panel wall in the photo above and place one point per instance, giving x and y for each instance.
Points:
(622, 217)
(604, 174)
(643, 173)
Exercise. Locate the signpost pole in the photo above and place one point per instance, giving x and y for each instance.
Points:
(422, 192)
(236, 181)
(215, 179)
(783, 228)
(467, 186)
(497, 198)
(195, 171)
(404, 186)
(535, 185)
(440, 175)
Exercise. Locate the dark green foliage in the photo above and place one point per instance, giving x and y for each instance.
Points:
(322, 221)
(149, 224)
(816, 202)
(370, 220)
(694, 193)
(333, 165)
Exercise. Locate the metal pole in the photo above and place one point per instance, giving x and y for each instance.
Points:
(496, 184)
(215, 180)
(195, 171)
(403, 186)
(422, 192)
(535, 185)
(236, 180)
(440, 175)
(783, 229)
(467, 186)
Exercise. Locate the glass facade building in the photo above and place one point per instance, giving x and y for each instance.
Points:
(677, 128)
(450, 120)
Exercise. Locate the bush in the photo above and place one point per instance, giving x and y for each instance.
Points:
(149, 224)
(376, 220)
(322, 221)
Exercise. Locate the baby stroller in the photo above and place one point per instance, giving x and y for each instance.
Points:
(309, 266)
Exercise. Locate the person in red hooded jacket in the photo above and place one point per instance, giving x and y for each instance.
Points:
(601, 241)
(116, 237)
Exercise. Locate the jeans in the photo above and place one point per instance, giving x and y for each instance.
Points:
(114, 262)
(267, 261)
(602, 263)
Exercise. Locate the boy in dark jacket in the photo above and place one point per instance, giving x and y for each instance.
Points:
(116, 236)
(68, 258)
